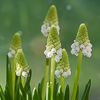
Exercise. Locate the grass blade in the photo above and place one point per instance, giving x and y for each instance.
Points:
(77, 94)
(35, 95)
(66, 97)
(2, 94)
(86, 92)
(27, 84)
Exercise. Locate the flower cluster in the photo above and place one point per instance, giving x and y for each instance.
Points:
(63, 66)
(53, 45)
(58, 54)
(46, 28)
(50, 20)
(86, 48)
(15, 45)
(82, 42)
(21, 65)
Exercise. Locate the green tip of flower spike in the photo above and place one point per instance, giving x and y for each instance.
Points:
(21, 61)
(53, 40)
(16, 42)
(64, 62)
(52, 17)
(82, 35)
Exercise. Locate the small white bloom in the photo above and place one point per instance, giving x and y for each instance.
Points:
(76, 44)
(57, 59)
(82, 46)
(53, 50)
(88, 49)
(50, 54)
(84, 52)
(73, 46)
(48, 29)
(10, 55)
(76, 53)
(18, 73)
(57, 73)
(64, 74)
(60, 57)
(46, 52)
(24, 74)
(77, 49)
(59, 52)
(13, 51)
(90, 45)
(69, 72)
(73, 51)
(89, 54)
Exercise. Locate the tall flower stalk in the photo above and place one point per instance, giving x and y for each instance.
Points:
(51, 19)
(81, 46)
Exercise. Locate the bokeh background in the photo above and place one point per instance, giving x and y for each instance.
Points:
(27, 16)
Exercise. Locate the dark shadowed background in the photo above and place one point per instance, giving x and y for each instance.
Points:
(27, 16)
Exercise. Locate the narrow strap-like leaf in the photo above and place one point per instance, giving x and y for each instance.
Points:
(2, 94)
(27, 84)
(86, 92)
(60, 93)
(34, 94)
(29, 94)
(77, 94)
(66, 97)
(22, 92)
(48, 92)
(7, 93)
(39, 92)
(8, 75)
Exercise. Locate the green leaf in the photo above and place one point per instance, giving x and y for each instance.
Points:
(29, 94)
(22, 92)
(39, 92)
(17, 95)
(27, 84)
(2, 94)
(48, 92)
(8, 75)
(34, 94)
(77, 94)
(66, 97)
(55, 90)
(7, 93)
(60, 93)
(87, 90)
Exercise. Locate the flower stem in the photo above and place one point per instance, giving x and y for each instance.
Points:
(62, 82)
(52, 74)
(23, 79)
(77, 75)
(13, 76)
(45, 79)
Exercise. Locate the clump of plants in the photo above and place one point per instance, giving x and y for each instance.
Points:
(18, 74)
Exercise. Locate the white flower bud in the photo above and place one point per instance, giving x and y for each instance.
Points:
(90, 45)
(89, 54)
(59, 52)
(84, 52)
(77, 49)
(73, 46)
(82, 46)
(64, 74)
(88, 49)
(73, 51)
(69, 72)
(53, 50)
(50, 54)
(13, 51)
(18, 73)
(76, 44)
(24, 74)
(57, 73)
(10, 55)
(57, 59)
(46, 52)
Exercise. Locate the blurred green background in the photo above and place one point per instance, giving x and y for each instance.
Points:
(27, 16)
